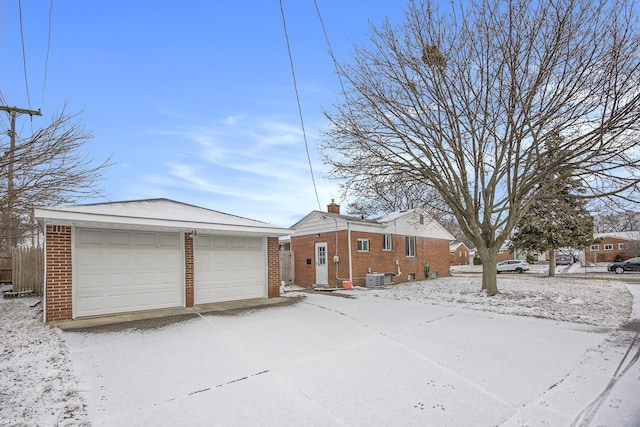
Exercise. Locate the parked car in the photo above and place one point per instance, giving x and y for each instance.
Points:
(632, 264)
(564, 260)
(516, 265)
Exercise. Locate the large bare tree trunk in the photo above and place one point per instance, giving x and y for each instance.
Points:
(489, 272)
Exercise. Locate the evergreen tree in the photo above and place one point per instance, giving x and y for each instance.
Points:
(555, 222)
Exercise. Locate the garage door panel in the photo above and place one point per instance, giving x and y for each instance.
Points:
(121, 271)
(116, 238)
(89, 237)
(229, 268)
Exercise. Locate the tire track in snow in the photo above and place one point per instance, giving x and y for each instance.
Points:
(587, 415)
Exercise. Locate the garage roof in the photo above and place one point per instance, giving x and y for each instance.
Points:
(156, 214)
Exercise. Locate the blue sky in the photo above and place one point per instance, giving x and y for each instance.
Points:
(194, 99)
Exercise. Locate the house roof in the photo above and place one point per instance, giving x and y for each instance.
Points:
(411, 222)
(624, 235)
(340, 217)
(455, 245)
(162, 214)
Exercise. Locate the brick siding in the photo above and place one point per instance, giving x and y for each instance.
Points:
(58, 279)
(631, 249)
(188, 270)
(460, 256)
(434, 252)
(273, 266)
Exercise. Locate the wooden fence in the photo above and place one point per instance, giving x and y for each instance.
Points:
(287, 272)
(25, 271)
(5, 267)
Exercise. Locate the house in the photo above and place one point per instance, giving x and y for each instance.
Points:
(609, 246)
(458, 253)
(330, 248)
(505, 252)
(138, 255)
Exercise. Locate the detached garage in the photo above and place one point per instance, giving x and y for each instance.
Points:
(148, 254)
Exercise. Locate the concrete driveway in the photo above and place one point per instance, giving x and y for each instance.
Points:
(338, 361)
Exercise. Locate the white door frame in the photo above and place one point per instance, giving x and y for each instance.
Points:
(322, 265)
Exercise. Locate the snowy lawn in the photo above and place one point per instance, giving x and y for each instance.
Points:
(37, 384)
(567, 298)
(426, 353)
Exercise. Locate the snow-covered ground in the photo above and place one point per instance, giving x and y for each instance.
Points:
(543, 352)
(37, 383)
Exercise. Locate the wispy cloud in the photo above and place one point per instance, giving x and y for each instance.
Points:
(246, 161)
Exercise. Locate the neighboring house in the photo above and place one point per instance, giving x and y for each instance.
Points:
(147, 254)
(330, 248)
(505, 252)
(610, 245)
(458, 253)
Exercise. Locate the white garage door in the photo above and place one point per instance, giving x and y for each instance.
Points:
(120, 271)
(229, 268)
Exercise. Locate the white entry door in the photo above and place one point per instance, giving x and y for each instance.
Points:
(322, 269)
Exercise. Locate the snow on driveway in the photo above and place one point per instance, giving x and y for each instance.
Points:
(373, 359)
(543, 352)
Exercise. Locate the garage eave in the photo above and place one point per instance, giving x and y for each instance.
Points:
(92, 220)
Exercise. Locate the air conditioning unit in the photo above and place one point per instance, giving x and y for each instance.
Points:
(375, 280)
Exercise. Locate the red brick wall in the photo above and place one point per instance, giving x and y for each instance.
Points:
(460, 256)
(434, 252)
(188, 270)
(273, 266)
(505, 255)
(58, 279)
(601, 255)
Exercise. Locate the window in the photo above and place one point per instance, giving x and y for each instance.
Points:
(386, 242)
(322, 255)
(595, 247)
(622, 246)
(410, 246)
(363, 245)
(608, 247)
(421, 219)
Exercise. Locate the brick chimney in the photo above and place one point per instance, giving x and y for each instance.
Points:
(333, 207)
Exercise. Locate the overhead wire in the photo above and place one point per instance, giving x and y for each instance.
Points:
(46, 59)
(331, 54)
(295, 87)
(24, 55)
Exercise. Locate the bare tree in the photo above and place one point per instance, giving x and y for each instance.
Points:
(379, 196)
(382, 196)
(613, 221)
(490, 102)
(47, 168)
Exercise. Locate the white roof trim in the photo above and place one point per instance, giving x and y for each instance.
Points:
(156, 214)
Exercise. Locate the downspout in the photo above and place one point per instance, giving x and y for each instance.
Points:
(349, 244)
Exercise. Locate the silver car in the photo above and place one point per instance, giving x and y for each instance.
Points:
(515, 265)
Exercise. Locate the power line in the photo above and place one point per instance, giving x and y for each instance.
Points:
(333, 57)
(295, 86)
(46, 59)
(24, 55)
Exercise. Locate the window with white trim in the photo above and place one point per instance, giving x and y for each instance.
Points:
(595, 247)
(608, 247)
(410, 246)
(386, 242)
(363, 245)
(622, 246)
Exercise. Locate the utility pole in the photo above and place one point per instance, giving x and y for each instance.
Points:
(9, 222)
